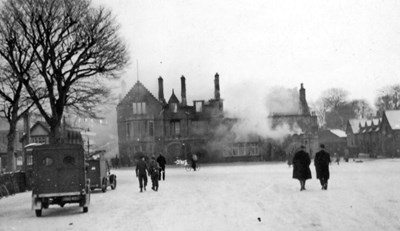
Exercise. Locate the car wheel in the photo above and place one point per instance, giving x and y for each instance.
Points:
(104, 185)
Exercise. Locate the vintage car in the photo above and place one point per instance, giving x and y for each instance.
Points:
(99, 172)
(59, 177)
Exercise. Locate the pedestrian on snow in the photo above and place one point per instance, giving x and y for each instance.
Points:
(337, 158)
(162, 162)
(321, 161)
(154, 173)
(141, 173)
(290, 159)
(301, 167)
(194, 162)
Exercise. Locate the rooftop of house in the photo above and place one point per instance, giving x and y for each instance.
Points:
(393, 118)
(338, 132)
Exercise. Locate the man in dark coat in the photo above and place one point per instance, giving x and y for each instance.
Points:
(141, 173)
(301, 167)
(161, 161)
(321, 162)
(154, 173)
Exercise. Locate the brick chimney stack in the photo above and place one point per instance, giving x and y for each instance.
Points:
(216, 87)
(183, 90)
(161, 90)
(303, 102)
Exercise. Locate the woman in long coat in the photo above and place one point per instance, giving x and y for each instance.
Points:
(301, 167)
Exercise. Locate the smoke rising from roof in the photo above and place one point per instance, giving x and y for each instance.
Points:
(253, 113)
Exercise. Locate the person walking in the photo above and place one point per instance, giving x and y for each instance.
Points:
(141, 173)
(337, 158)
(194, 161)
(154, 173)
(301, 167)
(321, 161)
(289, 159)
(162, 162)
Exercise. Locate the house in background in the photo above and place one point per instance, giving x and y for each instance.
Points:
(375, 137)
(334, 141)
(390, 134)
(39, 134)
(17, 150)
(352, 130)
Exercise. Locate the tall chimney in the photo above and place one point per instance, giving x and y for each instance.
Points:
(216, 87)
(183, 90)
(303, 102)
(161, 90)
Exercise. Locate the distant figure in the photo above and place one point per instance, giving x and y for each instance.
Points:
(289, 159)
(346, 155)
(301, 169)
(154, 173)
(337, 158)
(162, 162)
(116, 161)
(194, 161)
(141, 173)
(321, 162)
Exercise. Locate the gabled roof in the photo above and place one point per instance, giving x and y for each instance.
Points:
(130, 96)
(42, 124)
(338, 133)
(355, 124)
(173, 98)
(393, 118)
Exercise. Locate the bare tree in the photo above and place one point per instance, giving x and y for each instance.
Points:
(388, 98)
(75, 51)
(362, 109)
(14, 103)
(334, 97)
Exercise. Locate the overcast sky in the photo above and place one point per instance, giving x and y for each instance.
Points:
(258, 44)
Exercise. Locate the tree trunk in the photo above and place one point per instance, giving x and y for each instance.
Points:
(55, 133)
(11, 167)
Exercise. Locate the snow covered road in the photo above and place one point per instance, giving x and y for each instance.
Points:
(361, 196)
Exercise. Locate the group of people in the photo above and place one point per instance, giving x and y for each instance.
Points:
(301, 166)
(155, 169)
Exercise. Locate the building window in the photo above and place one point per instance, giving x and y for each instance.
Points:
(151, 128)
(198, 106)
(128, 130)
(39, 139)
(174, 107)
(175, 127)
(29, 160)
(139, 108)
(47, 161)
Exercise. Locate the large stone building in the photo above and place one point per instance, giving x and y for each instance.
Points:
(148, 125)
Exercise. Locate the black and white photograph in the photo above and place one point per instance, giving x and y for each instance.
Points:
(199, 115)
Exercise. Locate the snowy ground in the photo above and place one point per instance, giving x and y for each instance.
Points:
(361, 196)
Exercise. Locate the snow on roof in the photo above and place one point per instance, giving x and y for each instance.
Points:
(393, 118)
(338, 132)
(354, 123)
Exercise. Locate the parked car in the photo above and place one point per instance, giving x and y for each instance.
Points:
(59, 177)
(99, 172)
